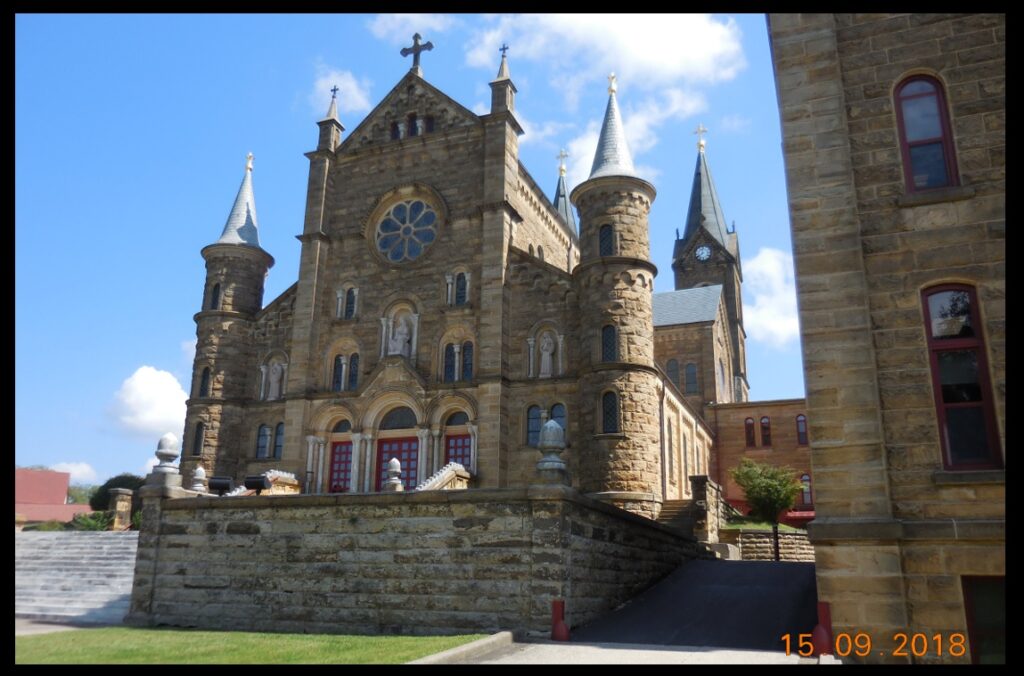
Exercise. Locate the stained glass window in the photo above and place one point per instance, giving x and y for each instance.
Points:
(406, 230)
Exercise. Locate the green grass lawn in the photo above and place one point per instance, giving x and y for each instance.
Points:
(750, 524)
(124, 645)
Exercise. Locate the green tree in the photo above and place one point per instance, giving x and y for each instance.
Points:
(100, 500)
(769, 491)
(80, 495)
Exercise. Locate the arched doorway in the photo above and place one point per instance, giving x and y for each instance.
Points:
(340, 478)
(458, 443)
(398, 437)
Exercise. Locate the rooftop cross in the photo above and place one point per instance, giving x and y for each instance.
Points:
(503, 49)
(334, 92)
(248, 162)
(416, 49)
(700, 131)
(561, 162)
(612, 87)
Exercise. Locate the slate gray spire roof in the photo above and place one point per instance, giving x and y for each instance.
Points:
(705, 211)
(503, 73)
(612, 157)
(562, 195)
(241, 227)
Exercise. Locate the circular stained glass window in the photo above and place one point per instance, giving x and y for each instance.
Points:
(406, 230)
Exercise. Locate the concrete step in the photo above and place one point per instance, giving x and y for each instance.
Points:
(69, 604)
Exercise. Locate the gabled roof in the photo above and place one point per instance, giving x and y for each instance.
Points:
(241, 226)
(705, 212)
(687, 306)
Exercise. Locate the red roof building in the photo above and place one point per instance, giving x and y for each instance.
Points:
(41, 495)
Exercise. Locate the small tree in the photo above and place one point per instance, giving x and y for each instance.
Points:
(100, 500)
(769, 491)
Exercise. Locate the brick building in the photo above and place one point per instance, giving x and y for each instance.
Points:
(445, 309)
(894, 142)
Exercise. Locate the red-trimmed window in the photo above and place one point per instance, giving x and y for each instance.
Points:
(407, 452)
(766, 431)
(341, 467)
(926, 142)
(801, 429)
(963, 394)
(985, 609)
(748, 428)
(458, 448)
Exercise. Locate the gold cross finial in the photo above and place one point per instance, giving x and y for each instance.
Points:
(612, 87)
(561, 162)
(248, 162)
(700, 131)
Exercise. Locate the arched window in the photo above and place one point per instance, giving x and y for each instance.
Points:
(963, 394)
(411, 129)
(353, 371)
(531, 249)
(558, 414)
(805, 497)
(449, 363)
(673, 371)
(340, 470)
(262, 441)
(766, 431)
(457, 418)
(338, 374)
(926, 142)
(610, 413)
(204, 383)
(395, 133)
(401, 418)
(215, 297)
(801, 429)
(467, 361)
(532, 425)
(350, 304)
(342, 427)
(460, 288)
(748, 429)
(609, 348)
(540, 252)
(691, 379)
(606, 241)
(279, 440)
(197, 439)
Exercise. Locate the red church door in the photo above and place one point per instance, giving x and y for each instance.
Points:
(407, 450)
(340, 477)
(458, 448)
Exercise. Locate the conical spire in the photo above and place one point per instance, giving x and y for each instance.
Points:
(503, 73)
(612, 157)
(332, 111)
(705, 211)
(241, 227)
(562, 195)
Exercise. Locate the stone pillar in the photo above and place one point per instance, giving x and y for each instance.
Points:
(339, 310)
(530, 342)
(458, 361)
(422, 453)
(355, 302)
(357, 464)
(320, 465)
(449, 282)
(368, 456)
(561, 353)
(121, 504)
(413, 348)
(385, 331)
(469, 276)
(472, 448)
(263, 382)
(310, 456)
(437, 452)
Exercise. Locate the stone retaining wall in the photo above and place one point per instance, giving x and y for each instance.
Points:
(757, 545)
(424, 562)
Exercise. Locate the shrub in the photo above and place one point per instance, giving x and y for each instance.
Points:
(93, 521)
(100, 500)
(45, 526)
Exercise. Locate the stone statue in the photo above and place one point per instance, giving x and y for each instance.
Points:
(547, 348)
(399, 343)
(276, 376)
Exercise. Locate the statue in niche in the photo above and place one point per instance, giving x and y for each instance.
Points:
(399, 343)
(547, 349)
(276, 378)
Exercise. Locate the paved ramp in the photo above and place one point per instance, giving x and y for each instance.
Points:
(733, 604)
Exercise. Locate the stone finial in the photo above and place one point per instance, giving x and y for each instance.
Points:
(199, 478)
(551, 467)
(166, 453)
(248, 162)
(394, 482)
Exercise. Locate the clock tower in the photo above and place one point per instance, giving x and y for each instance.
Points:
(709, 254)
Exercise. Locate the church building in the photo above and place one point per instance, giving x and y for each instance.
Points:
(446, 308)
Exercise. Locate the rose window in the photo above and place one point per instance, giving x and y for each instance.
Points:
(406, 230)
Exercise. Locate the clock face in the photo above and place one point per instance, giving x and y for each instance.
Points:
(703, 253)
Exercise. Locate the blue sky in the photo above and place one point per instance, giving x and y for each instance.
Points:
(130, 142)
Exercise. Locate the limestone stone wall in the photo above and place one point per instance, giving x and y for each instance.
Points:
(431, 562)
(756, 545)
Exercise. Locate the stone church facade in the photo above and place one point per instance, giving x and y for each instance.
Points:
(446, 308)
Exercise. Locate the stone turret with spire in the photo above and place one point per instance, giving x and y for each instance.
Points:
(619, 460)
(330, 126)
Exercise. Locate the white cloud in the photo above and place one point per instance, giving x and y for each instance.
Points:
(398, 28)
(353, 92)
(538, 133)
(149, 465)
(81, 472)
(150, 403)
(188, 350)
(481, 108)
(735, 123)
(645, 50)
(771, 317)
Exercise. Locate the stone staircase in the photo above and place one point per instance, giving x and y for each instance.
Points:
(74, 576)
(676, 514)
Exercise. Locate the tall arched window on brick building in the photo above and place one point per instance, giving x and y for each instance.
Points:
(926, 141)
(691, 379)
(449, 363)
(766, 431)
(467, 361)
(801, 429)
(533, 426)
(279, 440)
(748, 429)
(215, 297)
(610, 413)
(963, 394)
(204, 383)
(338, 374)
(606, 241)
(672, 369)
(198, 438)
(805, 494)
(353, 372)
